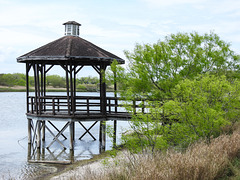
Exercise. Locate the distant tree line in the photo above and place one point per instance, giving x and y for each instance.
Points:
(18, 79)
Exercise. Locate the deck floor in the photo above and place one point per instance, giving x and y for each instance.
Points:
(83, 116)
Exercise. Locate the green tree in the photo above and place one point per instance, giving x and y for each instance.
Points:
(198, 110)
(191, 83)
(155, 69)
(16, 79)
(56, 81)
(202, 106)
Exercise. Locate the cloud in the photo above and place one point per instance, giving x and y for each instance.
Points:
(167, 3)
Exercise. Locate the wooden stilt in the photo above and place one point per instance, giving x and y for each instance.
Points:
(100, 131)
(43, 130)
(104, 135)
(29, 152)
(71, 129)
(38, 153)
(114, 133)
(38, 134)
(29, 131)
(71, 154)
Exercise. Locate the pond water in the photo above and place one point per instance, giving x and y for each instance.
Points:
(14, 141)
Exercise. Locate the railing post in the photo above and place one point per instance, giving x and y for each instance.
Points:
(32, 110)
(40, 105)
(53, 105)
(109, 106)
(58, 104)
(88, 106)
(27, 104)
(134, 106)
(116, 104)
(143, 106)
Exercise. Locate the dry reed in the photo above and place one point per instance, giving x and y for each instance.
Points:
(199, 161)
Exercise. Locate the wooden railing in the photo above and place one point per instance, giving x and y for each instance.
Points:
(79, 105)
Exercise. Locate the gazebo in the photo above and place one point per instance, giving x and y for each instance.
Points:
(71, 53)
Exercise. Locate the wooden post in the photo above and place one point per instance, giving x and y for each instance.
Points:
(67, 85)
(71, 154)
(29, 157)
(71, 89)
(36, 87)
(115, 91)
(38, 133)
(43, 130)
(71, 129)
(29, 131)
(114, 133)
(38, 90)
(103, 89)
(100, 131)
(102, 135)
(115, 122)
(27, 85)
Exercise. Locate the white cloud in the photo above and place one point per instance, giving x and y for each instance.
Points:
(165, 3)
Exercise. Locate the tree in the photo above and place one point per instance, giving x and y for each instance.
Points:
(56, 81)
(155, 69)
(198, 110)
(192, 84)
(202, 106)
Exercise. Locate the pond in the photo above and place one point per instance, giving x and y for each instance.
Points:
(14, 151)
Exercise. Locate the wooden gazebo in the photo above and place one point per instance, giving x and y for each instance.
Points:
(71, 53)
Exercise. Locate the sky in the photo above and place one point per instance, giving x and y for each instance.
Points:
(114, 25)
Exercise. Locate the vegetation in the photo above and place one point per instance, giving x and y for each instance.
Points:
(218, 160)
(192, 84)
(55, 81)
(153, 70)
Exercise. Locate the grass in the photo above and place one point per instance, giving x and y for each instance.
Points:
(218, 160)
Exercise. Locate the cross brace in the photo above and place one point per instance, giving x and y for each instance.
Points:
(88, 130)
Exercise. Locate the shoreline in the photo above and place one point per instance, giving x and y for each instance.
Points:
(48, 89)
(67, 170)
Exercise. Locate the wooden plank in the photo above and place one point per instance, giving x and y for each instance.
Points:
(50, 162)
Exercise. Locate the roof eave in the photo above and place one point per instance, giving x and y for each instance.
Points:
(66, 58)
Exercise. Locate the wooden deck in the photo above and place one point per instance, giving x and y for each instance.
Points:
(84, 108)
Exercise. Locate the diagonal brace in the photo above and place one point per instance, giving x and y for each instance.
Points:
(57, 129)
(87, 130)
(56, 137)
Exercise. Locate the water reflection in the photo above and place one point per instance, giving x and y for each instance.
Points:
(86, 150)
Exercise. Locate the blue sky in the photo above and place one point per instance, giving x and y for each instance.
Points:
(113, 25)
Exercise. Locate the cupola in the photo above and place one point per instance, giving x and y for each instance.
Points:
(71, 28)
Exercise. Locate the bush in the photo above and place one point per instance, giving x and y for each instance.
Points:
(198, 110)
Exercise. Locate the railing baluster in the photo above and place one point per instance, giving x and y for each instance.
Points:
(53, 105)
(88, 106)
(134, 106)
(32, 110)
(143, 106)
(116, 104)
(58, 104)
(109, 106)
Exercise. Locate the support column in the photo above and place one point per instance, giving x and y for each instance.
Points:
(29, 131)
(114, 133)
(43, 130)
(103, 89)
(71, 130)
(38, 134)
(102, 136)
